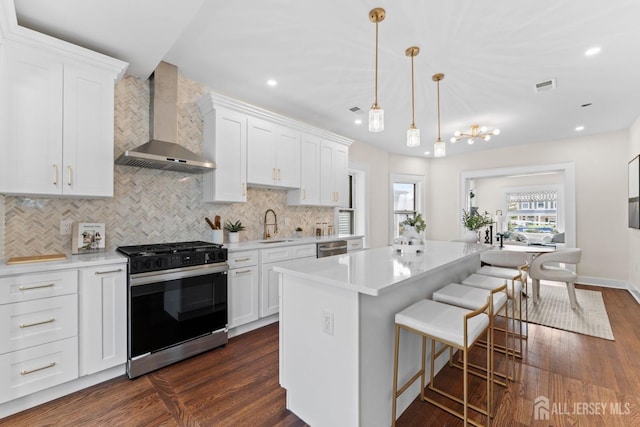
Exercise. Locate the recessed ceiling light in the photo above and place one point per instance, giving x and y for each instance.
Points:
(426, 153)
(593, 51)
(579, 128)
(357, 121)
(272, 83)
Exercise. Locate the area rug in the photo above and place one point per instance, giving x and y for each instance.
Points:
(554, 310)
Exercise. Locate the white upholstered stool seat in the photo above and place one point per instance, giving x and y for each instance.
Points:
(468, 297)
(456, 328)
(492, 282)
(500, 272)
(442, 321)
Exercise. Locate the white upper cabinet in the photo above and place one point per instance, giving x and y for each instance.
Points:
(56, 124)
(334, 187)
(309, 192)
(225, 141)
(255, 147)
(273, 155)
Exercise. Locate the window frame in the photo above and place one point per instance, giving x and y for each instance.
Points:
(419, 198)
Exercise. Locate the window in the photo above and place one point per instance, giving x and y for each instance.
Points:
(346, 216)
(406, 191)
(542, 220)
(524, 205)
(540, 205)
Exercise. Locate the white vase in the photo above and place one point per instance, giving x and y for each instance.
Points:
(234, 237)
(470, 236)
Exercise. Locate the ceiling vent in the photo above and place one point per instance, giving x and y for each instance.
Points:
(545, 86)
(354, 109)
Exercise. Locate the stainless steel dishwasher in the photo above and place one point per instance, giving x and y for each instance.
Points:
(337, 247)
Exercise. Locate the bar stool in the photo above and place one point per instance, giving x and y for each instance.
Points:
(453, 327)
(514, 294)
(512, 266)
(472, 298)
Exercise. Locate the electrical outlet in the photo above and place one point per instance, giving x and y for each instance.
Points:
(66, 225)
(327, 322)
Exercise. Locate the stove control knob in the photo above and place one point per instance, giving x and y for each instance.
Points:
(147, 263)
(159, 262)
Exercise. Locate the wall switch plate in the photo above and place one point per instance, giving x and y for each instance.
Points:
(327, 322)
(66, 225)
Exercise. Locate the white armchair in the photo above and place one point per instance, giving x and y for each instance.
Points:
(541, 269)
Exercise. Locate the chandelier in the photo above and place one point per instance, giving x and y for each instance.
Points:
(413, 134)
(439, 148)
(476, 132)
(376, 114)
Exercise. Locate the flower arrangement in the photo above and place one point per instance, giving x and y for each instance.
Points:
(417, 222)
(474, 221)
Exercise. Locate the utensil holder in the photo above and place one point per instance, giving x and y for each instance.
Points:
(217, 237)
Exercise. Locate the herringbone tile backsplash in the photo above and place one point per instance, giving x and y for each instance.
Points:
(149, 206)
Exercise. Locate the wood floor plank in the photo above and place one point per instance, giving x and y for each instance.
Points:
(238, 385)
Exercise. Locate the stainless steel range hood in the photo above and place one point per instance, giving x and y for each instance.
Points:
(162, 152)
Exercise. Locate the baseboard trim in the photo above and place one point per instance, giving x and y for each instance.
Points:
(239, 330)
(610, 283)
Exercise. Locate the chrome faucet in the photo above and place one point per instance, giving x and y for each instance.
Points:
(266, 234)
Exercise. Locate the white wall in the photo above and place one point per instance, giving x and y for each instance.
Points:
(634, 235)
(601, 194)
(378, 162)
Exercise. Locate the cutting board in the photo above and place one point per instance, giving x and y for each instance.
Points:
(36, 258)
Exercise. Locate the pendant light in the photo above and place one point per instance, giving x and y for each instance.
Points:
(439, 148)
(376, 114)
(413, 134)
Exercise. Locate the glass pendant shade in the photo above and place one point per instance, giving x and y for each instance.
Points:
(376, 119)
(439, 149)
(413, 137)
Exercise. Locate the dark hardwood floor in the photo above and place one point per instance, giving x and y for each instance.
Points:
(238, 385)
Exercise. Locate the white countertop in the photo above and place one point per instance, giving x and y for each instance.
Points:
(72, 261)
(374, 271)
(286, 241)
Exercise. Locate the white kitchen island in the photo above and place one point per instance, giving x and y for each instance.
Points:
(337, 328)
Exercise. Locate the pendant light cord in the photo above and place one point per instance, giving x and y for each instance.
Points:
(375, 103)
(413, 105)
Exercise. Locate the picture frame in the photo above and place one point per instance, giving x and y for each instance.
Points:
(634, 193)
(88, 237)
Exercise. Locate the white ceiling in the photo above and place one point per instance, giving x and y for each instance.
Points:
(322, 55)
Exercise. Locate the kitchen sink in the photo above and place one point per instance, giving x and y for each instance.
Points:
(274, 241)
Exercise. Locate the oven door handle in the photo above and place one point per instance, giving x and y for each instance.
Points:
(178, 273)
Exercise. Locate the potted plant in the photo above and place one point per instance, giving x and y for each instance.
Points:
(416, 223)
(298, 231)
(473, 221)
(234, 228)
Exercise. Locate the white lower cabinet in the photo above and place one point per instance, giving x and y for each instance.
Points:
(269, 283)
(355, 245)
(38, 332)
(103, 317)
(36, 368)
(243, 288)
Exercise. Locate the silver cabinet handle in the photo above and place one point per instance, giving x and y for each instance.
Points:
(244, 188)
(28, 325)
(304, 194)
(30, 371)
(29, 288)
(55, 174)
(69, 173)
(108, 272)
(241, 259)
(243, 272)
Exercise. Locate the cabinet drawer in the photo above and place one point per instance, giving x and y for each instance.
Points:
(354, 245)
(282, 253)
(242, 259)
(303, 251)
(31, 323)
(38, 285)
(33, 369)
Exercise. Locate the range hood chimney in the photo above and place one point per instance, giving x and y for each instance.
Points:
(162, 152)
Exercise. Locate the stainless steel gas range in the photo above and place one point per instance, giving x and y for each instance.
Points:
(177, 303)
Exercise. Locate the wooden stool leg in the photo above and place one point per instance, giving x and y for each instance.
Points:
(395, 376)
